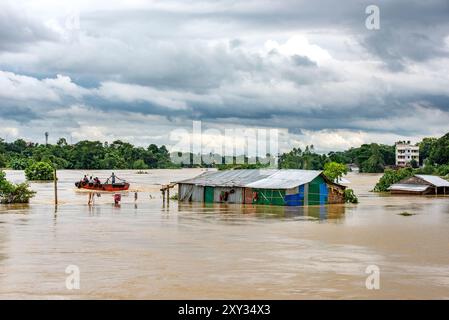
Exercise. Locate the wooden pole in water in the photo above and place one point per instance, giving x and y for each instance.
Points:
(168, 194)
(56, 187)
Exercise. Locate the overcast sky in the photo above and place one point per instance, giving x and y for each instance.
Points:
(136, 70)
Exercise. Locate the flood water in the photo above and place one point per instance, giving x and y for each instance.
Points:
(144, 250)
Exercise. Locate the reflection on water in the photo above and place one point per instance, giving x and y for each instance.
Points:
(144, 249)
(261, 211)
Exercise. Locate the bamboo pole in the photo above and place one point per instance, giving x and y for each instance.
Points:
(168, 194)
(55, 187)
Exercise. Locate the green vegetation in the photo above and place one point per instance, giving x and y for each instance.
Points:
(370, 158)
(334, 170)
(406, 214)
(2, 161)
(392, 176)
(442, 170)
(140, 164)
(429, 168)
(14, 193)
(373, 158)
(242, 166)
(19, 164)
(299, 159)
(18, 155)
(414, 164)
(439, 151)
(375, 163)
(350, 197)
(174, 197)
(434, 155)
(40, 171)
(425, 147)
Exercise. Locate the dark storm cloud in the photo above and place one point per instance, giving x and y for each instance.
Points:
(413, 30)
(141, 107)
(20, 113)
(163, 48)
(439, 101)
(327, 116)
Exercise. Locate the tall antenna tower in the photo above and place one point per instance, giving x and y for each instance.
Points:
(46, 138)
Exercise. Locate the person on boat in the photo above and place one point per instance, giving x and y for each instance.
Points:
(113, 178)
(85, 179)
(97, 181)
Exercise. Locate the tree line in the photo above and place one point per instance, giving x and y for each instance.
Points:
(373, 157)
(20, 154)
(370, 158)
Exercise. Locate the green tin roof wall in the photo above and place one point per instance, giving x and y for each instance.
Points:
(270, 196)
(315, 195)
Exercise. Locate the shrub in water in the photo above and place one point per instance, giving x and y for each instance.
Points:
(391, 177)
(39, 171)
(350, 196)
(140, 164)
(14, 193)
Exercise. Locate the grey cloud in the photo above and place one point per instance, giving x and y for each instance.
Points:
(409, 30)
(18, 29)
(163, 49)
(303, 61)
(211, 58)
(20, 113)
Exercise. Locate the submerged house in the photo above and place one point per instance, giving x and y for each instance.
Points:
(264, 186)
(421, 184)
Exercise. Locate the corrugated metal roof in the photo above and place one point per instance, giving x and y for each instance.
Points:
(285, 179)
(229, 178)
(255, 178)
(408, 187)
(436, 181)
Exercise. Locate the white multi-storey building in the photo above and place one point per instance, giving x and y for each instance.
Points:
(405, 153)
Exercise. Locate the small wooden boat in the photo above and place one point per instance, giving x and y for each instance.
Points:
(122, 186)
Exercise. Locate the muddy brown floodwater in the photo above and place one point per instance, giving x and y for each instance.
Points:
(142, 250)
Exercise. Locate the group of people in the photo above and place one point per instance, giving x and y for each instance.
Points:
(91, 180)
(96, 180)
